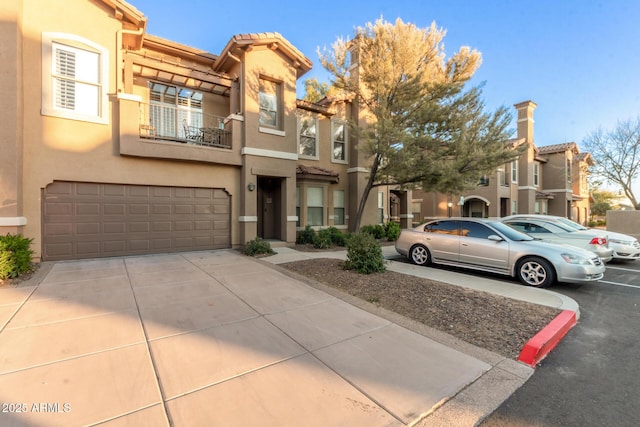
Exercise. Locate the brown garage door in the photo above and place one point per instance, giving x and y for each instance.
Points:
(89, 220)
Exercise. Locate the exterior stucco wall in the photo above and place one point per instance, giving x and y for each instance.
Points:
(72, 150)
(11, 110)
(626, 222)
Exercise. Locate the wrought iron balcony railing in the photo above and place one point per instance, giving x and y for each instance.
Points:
(184, 125)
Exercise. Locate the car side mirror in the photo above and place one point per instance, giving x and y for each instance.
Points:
(495, 238)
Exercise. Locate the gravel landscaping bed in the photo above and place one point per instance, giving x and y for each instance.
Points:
(492, 322)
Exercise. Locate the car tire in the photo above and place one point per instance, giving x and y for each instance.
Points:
(537, 272)
(420, 255)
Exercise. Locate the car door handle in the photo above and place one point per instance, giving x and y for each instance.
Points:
(464, 244)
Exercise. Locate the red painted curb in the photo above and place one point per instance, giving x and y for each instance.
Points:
(544, 341)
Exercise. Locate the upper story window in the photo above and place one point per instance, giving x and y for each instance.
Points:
(174, 112)
(308, 136)
(568, 171)
(536, 174)
(484, 180)
(514, 171)
(339, 142)
(74, 78)
(270, 100)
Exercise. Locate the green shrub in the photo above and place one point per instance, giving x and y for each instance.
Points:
(364, 254)
(306, 236)
(322, 240)
(15, 256)
(377, 231)
(392, 231)
(258, 246)
(338, 238)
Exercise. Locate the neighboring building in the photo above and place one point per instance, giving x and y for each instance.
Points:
(116, 142)
(544, 180)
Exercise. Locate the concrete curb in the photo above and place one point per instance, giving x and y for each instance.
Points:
(544, 341)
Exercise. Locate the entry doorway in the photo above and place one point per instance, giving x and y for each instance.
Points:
(270, 207)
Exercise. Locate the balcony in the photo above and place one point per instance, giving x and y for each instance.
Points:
(164, 123)
(162, 132)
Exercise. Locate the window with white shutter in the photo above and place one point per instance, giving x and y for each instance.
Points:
(75, 78)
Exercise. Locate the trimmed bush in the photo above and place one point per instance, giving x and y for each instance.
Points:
(322, 240)
(377, 231)
(15, 256)
(306, 236)
(338, 238)
(364, 254)
(258, 246)
(392, 230)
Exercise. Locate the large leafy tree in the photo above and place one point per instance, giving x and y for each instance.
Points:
(616, 154)
(423, 127)
(602, 200)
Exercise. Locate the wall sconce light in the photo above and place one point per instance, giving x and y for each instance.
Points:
(251, 186)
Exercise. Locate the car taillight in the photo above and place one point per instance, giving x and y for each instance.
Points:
(598, 241)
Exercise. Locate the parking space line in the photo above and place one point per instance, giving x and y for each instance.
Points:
(623, 269)
(619, 284)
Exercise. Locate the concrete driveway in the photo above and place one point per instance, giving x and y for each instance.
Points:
(214, 338)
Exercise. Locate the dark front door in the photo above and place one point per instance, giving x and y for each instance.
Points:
(269, 209)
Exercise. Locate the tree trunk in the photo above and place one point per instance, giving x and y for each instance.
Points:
(365, 195)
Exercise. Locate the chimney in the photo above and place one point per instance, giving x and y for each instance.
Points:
(525, 120)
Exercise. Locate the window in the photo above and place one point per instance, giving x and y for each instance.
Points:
(75, 78)
(442, 227)
(473, 229)
(416, 210)
(536, 174)
(484, 180)
(308, 137)
(269, 99)
(339, 142)
(298, 206)
(514, 171)
(502, 176)
(568, 172)
(338, 207)
(315, 206)
(380, 207)
(173, 111)
(514, 207)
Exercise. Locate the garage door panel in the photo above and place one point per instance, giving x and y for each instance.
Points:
(87, 220)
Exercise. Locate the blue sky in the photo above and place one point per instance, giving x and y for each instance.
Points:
(578, 60)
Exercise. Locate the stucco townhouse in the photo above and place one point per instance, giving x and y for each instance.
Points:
(117, 142)
(550, 179)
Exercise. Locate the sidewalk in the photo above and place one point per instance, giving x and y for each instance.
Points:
(217, 338)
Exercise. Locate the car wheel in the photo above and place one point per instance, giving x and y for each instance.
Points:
(536, 272)
(420, 255)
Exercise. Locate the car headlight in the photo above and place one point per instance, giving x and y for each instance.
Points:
(575, 259)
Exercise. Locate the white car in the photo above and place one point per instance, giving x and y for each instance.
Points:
(625, 247)
(555, 232)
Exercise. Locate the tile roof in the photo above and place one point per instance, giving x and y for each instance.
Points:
(316, 172)
(558, 147)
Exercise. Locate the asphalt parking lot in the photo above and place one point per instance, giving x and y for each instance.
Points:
(592, 377)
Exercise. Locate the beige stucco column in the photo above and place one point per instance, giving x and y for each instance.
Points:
(11, 138)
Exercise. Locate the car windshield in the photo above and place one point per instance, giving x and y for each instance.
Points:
(510, 232)
(571, 224)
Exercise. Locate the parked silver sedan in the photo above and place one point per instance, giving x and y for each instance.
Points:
(625, 247)
(493, 246)
(556, 232)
